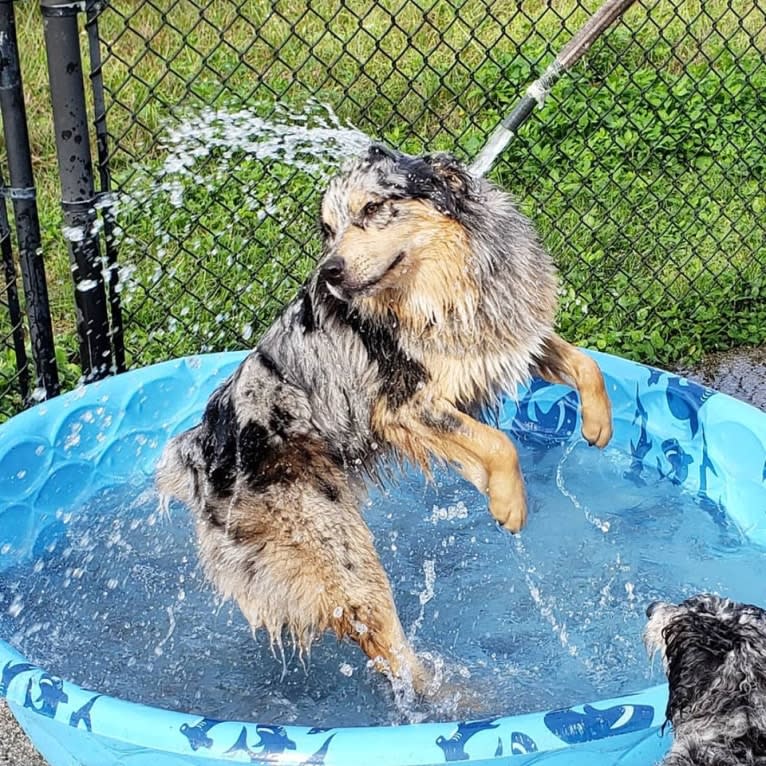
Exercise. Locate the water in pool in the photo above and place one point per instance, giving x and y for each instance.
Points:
(549, 618)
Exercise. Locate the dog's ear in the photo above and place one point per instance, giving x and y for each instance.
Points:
(452, 173)
(378, 152)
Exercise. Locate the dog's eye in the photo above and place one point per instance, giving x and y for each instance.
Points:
(371, 208)
(327, 230)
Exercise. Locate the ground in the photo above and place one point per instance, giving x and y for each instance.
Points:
(15, 748)
(738, 373)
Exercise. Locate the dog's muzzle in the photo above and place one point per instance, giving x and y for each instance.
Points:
(652, 608)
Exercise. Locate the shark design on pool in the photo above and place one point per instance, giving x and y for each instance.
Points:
(10, 671)
(685, 399)
(51, 694)
(318, 758)
(83, 714)
(679, 460)
(241, 746)
(197, 734)
(655, 376)
(573, 727)
(557, 423)
(641, 448)
(273, 740)
(453, 746)
(522, 743)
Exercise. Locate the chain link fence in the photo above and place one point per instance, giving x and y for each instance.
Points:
(644, 170)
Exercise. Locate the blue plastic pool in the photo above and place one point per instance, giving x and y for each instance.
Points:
(62, 453)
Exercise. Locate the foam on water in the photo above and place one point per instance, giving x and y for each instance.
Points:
(549, 618)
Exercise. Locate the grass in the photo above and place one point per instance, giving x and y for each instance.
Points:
(644, 171)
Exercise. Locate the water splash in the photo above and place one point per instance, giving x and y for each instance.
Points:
(457, 511)
(561, 485)
(223, 172)
(315, 142)
(426, 595)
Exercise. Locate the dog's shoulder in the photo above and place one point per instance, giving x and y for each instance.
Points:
(368, 349)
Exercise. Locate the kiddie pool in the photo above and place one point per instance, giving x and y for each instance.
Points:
(121, 425)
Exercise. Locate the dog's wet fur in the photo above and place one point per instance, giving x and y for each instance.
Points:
(714, 654)
(433, 296)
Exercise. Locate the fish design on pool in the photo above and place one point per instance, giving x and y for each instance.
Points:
(574, 727)
(51, 694)
(453, 746)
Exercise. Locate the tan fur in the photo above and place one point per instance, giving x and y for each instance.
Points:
(432, 289)
(484, 456)
(311, 563)
(563, 363)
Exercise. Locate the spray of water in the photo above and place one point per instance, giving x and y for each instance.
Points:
(315, 142)
(562, 487)
(265, 164)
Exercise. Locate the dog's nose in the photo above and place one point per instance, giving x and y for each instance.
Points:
(652, 608)
(333, 269)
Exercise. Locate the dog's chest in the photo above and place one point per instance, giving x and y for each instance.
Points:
(476, 375)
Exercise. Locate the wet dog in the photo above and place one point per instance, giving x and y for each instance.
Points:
(714, 653)
(432, 297)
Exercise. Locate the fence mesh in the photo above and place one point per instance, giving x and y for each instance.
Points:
(643, 171)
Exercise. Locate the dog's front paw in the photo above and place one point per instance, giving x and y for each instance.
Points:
(597, 423)
(507, 502)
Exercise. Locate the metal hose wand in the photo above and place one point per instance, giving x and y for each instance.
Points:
(601, 20)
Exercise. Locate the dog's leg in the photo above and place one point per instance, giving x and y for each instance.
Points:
(561, 362)
(355, 580)
(483, 455)
(387, 647)
(306, 561)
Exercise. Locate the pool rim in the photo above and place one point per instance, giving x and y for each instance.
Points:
(146, 718)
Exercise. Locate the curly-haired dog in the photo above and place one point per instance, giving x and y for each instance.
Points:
(714, 653)
(433, 296)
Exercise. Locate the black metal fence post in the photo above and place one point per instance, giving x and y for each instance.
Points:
(12, 297)
(78, 200)
(107, 212)
(22, 194)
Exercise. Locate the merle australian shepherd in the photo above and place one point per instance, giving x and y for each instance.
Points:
(432, 297)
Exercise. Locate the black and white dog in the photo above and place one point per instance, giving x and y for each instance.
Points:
(714, 653)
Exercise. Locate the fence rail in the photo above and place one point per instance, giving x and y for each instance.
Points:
(215, 122)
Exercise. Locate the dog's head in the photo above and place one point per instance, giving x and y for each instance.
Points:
(714, 653)
(388, 216)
